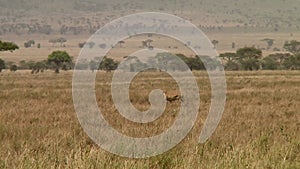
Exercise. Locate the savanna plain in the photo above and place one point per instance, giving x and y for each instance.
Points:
(260, 127)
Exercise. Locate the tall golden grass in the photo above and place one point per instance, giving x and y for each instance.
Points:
(260, 127)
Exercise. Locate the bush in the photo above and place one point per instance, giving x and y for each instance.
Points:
(292, 63)
(231, 65)
(269, 63)
(13, 68)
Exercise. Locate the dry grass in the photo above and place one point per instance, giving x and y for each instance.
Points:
(260, 127)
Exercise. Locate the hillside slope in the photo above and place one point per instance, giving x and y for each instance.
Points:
(267, 13)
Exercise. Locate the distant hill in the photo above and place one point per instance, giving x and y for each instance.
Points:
(274, 14)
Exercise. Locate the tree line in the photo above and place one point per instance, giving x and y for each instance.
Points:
(59, 60)
(247, 58)
(250, 58)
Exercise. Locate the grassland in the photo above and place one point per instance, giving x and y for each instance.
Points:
(260, 127)
(225, 38)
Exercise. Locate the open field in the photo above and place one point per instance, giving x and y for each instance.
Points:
(133, 44)
(260, 127)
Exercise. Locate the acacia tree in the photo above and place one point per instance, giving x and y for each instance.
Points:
(8, 46)
(270, 63)
(231, 61)
(53, 41)
(59, 58)
(214, 42)
(229, 56)
(292, 46)
(293, 62)
(39, 66)
(147, 43)
(249, 58)
(121, 43)
(93, 65)
(194, 63)
(60, 40)
(276, 61)
(108, 64)
(13, 68)
(269, 42)
(29, 43)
